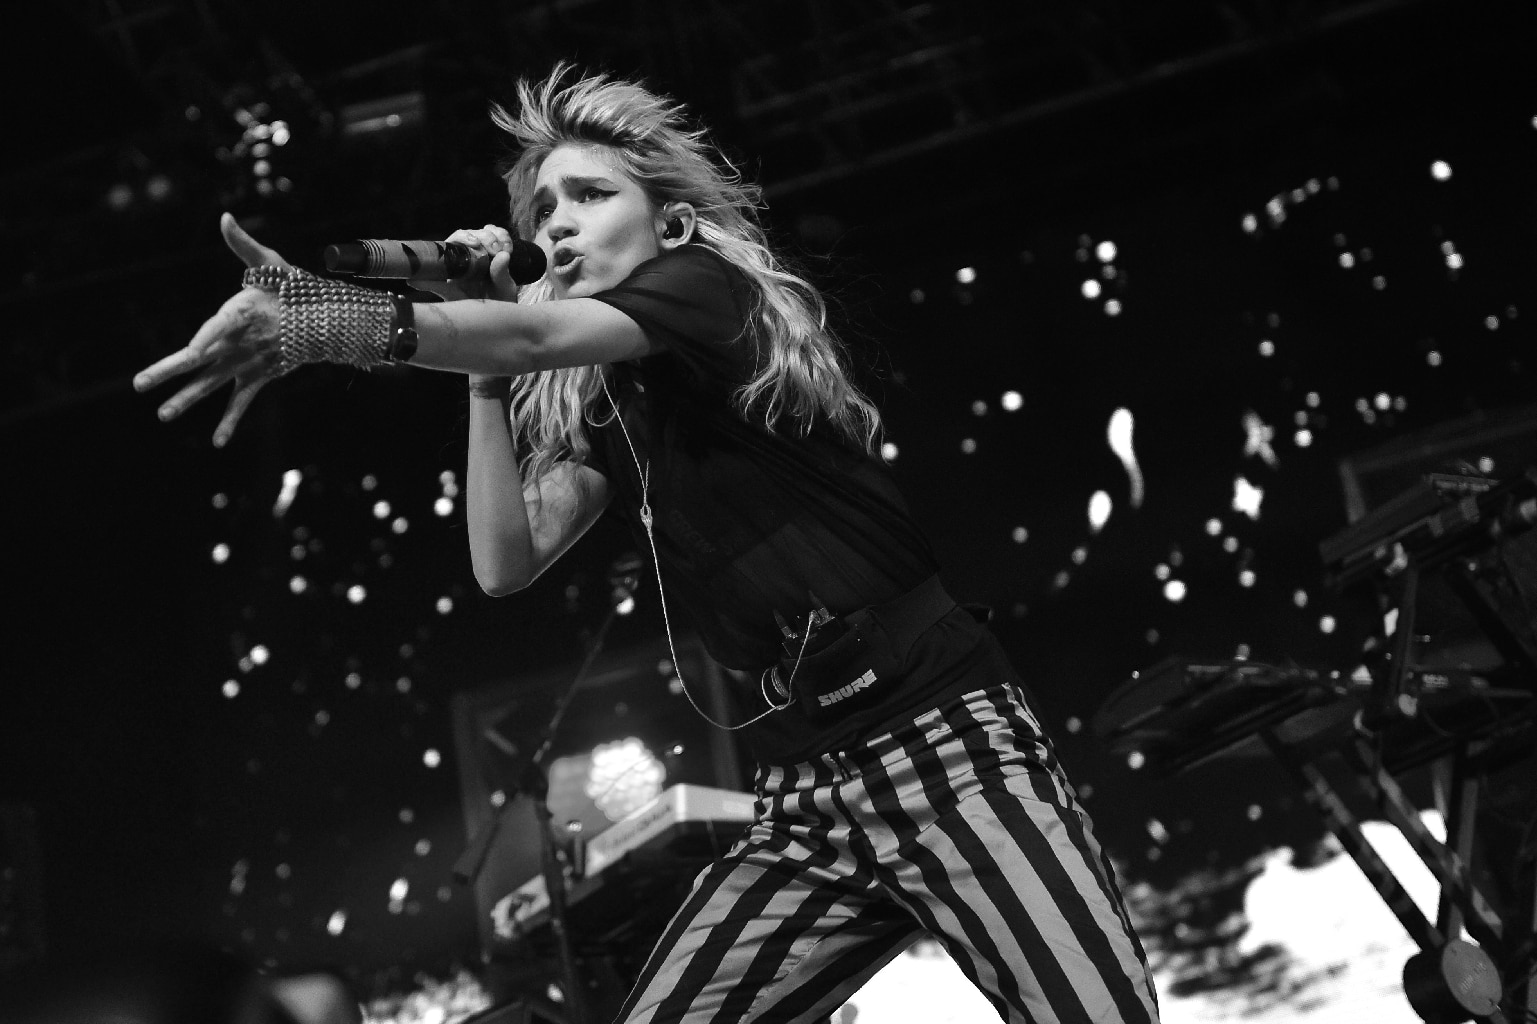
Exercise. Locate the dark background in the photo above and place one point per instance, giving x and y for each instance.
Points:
(897, 146)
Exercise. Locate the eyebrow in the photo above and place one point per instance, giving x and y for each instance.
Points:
(571, 181)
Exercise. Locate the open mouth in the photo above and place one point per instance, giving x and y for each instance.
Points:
(565, 260)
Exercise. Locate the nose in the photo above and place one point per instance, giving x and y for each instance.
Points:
(559, 224)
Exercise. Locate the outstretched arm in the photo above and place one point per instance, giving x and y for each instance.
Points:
(241, 343)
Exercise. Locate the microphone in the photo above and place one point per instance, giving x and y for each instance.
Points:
(428, 261)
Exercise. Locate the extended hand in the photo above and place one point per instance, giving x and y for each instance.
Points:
(238, 343)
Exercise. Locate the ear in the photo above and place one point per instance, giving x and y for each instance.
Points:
(676, 226)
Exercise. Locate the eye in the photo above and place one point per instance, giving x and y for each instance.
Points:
(594, 193)
(540, 213)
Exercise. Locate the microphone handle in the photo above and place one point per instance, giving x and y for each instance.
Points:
(427, 261)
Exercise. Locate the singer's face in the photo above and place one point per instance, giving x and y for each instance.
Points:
(594, 223)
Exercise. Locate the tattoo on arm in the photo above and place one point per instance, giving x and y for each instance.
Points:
(435, 314)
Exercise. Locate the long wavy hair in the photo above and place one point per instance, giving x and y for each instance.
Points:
(803, 381)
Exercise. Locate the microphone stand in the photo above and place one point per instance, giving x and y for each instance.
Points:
(534, 780)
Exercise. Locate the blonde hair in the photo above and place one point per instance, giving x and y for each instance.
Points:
(804, 378)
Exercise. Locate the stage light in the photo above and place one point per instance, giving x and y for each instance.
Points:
(1247, 498)
(1441, 170)
(1267, 348)
(1090, 289)
(1020, 535)
(1099, 511)
(357, 593)
(1106, 251)
(979, 408)
(966, 275)
(1113, 307)
(623, 776)
(381, 510)
(889, 452)
(1012, 401)
(443, 507)
(120, 196)
(1118, 434)
(400, 525)
(969, 445)
(259, 654)
(158, 188)
(287, 493)
(231, 689)
(1258, 436)
(1174, 591)
(220, 554)
(337, 922)
(445, 605)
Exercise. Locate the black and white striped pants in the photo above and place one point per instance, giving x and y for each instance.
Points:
(959, 823)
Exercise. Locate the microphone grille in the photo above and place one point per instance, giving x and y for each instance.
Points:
(526, 262)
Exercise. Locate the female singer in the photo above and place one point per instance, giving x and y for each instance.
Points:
(669, 368)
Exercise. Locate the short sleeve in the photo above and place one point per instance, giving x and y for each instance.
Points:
(694, 305)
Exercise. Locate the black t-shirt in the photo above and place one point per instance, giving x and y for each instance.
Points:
(747, 520)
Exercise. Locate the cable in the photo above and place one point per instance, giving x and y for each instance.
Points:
(656, 564)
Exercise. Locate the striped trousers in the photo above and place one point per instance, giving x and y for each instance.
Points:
(959, 823)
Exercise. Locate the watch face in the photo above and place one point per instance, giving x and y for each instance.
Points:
(404, 345)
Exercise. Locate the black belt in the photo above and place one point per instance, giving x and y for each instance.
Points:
(848, 661)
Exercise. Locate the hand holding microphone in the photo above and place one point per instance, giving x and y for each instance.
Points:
(471, 263)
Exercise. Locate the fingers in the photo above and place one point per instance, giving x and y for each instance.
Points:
(490, 238)
(238, 403)
(233, 318)
(173, 365)
(250, 251)
(502, 285)
(203, 385)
